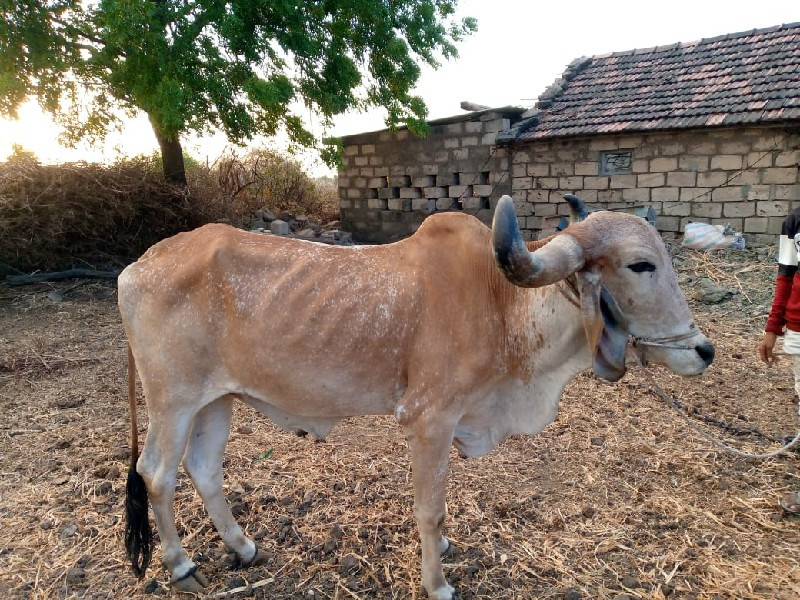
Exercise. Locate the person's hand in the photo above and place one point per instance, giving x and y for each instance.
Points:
(766, 347)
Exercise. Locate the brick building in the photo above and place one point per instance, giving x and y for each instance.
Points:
(703, 131)
(392, 180)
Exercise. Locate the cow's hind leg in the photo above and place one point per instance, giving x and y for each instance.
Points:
(430, 447)
(203, 462)
(158, 466)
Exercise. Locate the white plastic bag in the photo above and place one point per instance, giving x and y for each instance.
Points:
(702, 236)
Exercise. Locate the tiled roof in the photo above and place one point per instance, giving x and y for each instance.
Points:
(735, 79)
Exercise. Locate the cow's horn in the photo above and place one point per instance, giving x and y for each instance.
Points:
(554, 261)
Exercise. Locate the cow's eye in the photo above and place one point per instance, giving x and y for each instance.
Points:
(641, 267)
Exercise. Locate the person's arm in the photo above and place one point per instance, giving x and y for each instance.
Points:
(787, 267)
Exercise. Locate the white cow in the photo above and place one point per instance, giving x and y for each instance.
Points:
(467, 335)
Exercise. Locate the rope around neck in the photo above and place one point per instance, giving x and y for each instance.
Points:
(662, 342)
(664, 396)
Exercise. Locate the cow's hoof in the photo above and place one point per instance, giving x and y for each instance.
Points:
(237, 562)
(192, 583)
(259, 559)
(446, 592)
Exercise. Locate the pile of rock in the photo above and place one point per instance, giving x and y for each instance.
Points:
(299, 226)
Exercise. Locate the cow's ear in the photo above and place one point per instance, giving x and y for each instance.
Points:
(577, 209)
(606, 334)
(590, 289)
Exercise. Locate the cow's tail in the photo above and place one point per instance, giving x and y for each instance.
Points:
(138, 535)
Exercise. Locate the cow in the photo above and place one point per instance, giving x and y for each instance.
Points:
(465, 334)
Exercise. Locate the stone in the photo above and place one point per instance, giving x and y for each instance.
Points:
(402, 204)
(349, 564)
(69, 531)
(630, 582)
(279, 227)
(266, 215)
(710, 293)
(76, 575)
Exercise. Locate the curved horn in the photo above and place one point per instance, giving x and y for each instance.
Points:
(559, 258)
(577, 208)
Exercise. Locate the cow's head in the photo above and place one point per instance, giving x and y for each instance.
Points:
(627, 286)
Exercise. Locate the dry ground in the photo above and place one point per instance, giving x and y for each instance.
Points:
(617, 499)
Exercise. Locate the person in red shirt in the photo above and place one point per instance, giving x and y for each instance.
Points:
(784, 316)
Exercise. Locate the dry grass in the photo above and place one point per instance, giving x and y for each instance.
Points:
(59, 216)
(85, 212)
(263, 178)
(616, 499)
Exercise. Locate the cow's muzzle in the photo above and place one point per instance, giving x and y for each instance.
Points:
(706, 352)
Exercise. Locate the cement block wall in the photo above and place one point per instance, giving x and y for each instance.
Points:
(745, 177)
(392, 180)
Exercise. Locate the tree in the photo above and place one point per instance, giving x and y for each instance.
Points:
(245, 67)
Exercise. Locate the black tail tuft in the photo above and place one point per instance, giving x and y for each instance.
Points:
(138, 535)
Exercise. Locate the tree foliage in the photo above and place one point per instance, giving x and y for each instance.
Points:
(244, 67)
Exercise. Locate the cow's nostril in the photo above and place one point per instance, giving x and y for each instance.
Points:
(706, 352)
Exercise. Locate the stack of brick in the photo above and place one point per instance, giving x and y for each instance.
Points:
(392, 180)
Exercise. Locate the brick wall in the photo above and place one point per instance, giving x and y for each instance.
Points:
(391, 181)
(745, 177)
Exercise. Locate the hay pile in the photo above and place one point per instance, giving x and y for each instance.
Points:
(56, 216)
(83, 214)
(617, 499)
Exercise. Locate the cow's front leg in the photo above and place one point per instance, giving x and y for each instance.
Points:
(430, 449)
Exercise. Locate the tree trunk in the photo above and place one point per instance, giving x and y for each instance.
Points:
(171, 157)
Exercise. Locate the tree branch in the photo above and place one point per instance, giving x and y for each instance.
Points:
(73, 29)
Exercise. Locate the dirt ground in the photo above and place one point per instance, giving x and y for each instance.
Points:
(618, 498)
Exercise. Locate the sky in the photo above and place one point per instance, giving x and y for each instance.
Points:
(520, 48)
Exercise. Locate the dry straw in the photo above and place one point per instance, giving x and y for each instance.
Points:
(52, 216)
(74, 215)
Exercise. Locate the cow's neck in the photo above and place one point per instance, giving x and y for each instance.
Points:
(545, 349)
(557, 341)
